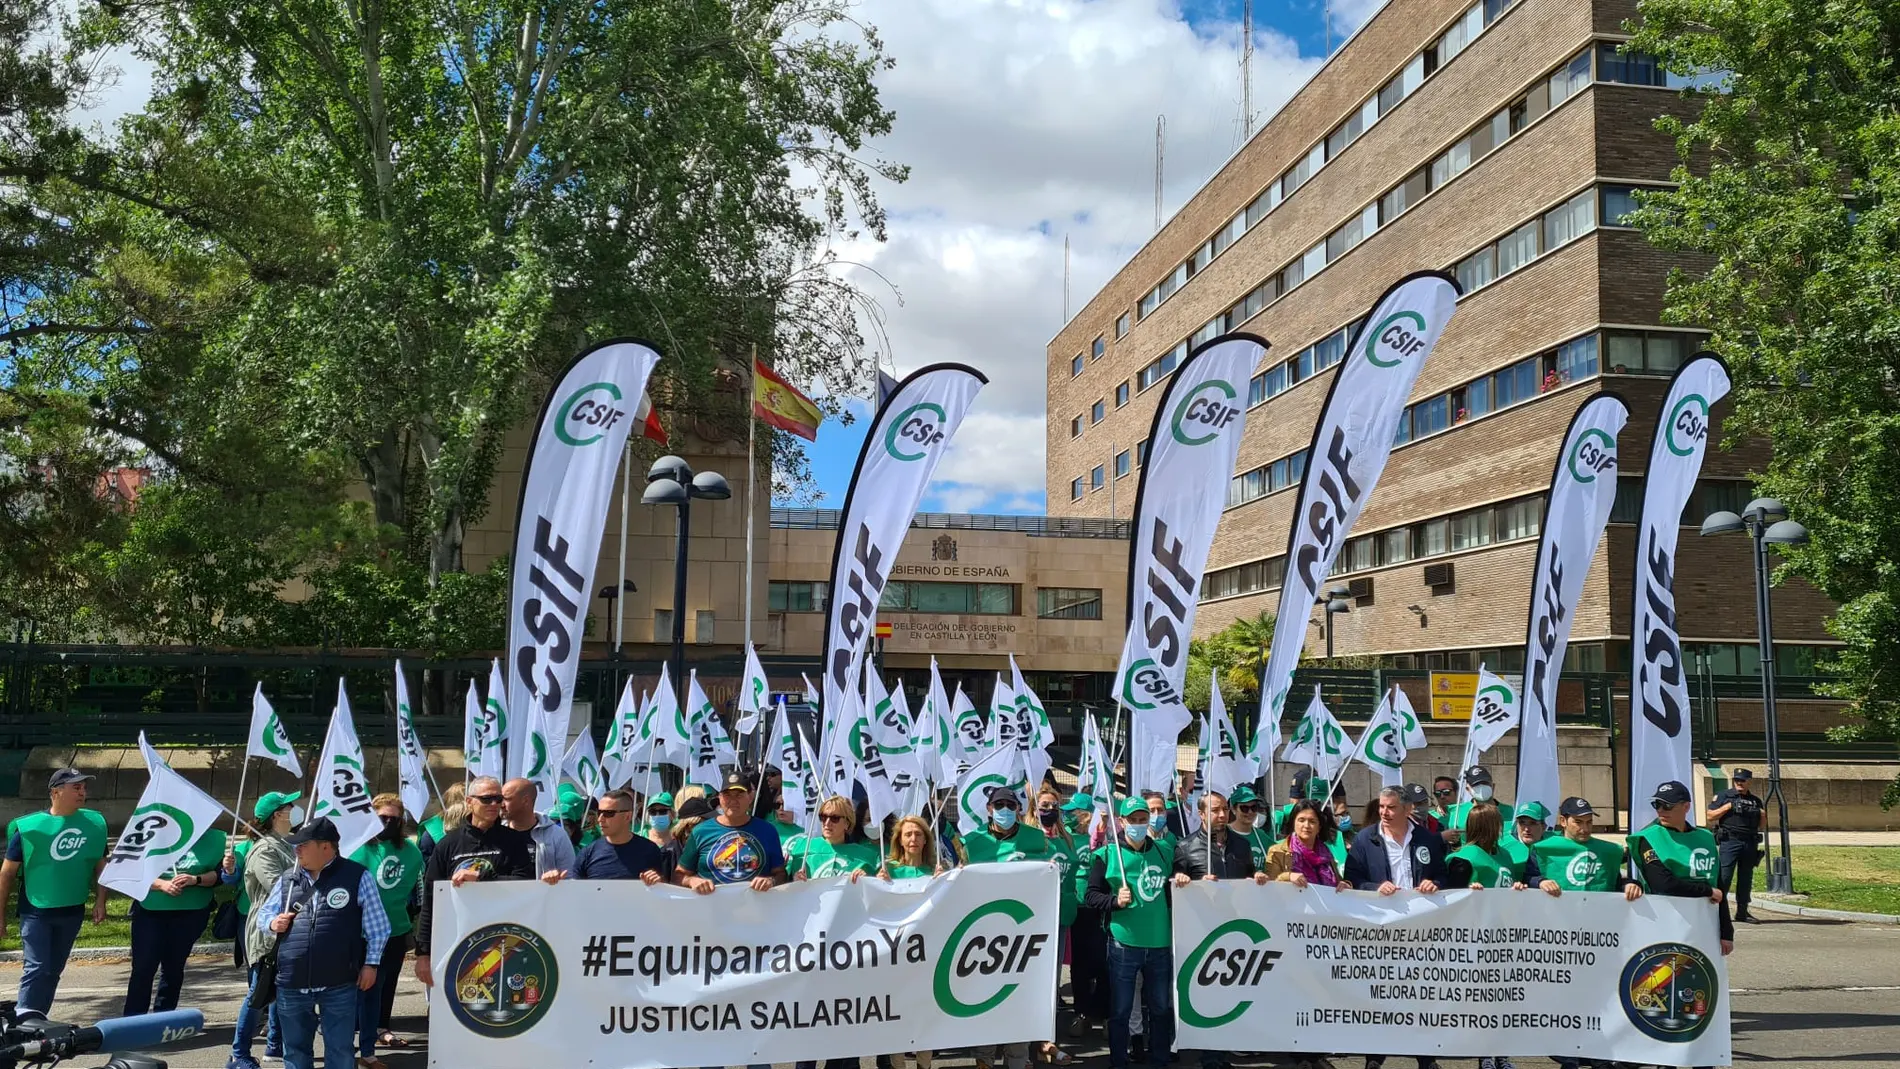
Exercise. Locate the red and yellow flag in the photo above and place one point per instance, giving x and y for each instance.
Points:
(779, 403)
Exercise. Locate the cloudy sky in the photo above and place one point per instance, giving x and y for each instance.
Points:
(1025, 121)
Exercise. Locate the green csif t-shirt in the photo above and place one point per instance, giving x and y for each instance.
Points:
(1463, 809)
(1258, 843)
(59, 856)
(205, 855)
(907, 872)
(1068, 858)
(1689, 853)
(1144, 921)
(1487, 869)
(983, 845)
(1573, 866)
(395, 867)
(815, 857)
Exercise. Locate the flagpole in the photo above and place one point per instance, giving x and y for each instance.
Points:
(244, 768)
(751, 487)
(626, 501)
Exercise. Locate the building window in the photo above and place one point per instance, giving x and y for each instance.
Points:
(1431, 538)
(1075, 427)
(1517, 249)
(1075, 366)
(1431, 416)
(1571, 79)
(972, 599)
(795, 596)
(1075, 490)
(1471, 529)
(1618, 203)
(1653, 352)
(1097, 477)
(1097, 411)
(1577, 359)
(1068, 603)
(1121, 463)
(1121, 325)
(1395, 546)
(1577, 217)
(1521, 518)
(1628, 68)
(1479, 269)
(1098, 348)
(1141, 452)
(1121, 394)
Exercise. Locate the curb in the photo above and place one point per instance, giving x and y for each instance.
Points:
(1791, 909)
(109, 953)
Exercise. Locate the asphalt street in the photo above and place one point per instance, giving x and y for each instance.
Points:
(1805, 993)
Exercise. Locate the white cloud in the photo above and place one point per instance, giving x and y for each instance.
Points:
(1023, 122)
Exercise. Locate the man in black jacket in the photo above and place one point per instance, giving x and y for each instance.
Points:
(482, 848)
(1214, 853)
(1395, 854)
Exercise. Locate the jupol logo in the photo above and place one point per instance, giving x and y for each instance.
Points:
(1210, 412)
(501, 979)
(589, 413)
(921, 424)
(1595, 453)
(66, 844)
(1688, 425)
(1000, 954)
(1396, 339)
(1669, 991)
(1212, 965)
(153, 831)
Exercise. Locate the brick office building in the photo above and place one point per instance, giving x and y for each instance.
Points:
(1499, 141)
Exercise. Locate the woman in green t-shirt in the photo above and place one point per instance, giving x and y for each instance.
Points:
(913, 855)
(831, 852)
(168, 922)
(1481, 862)
(1068, 853)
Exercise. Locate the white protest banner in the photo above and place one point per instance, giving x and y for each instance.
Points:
(1582, 489)
(412, 772)
(268, 739)
(912, 430)
(1659, 692)
(1351, 443)
(1459, 975)
(565, 488)
(614, 973)
(1192, 444)
(172, 815)
(341, 791)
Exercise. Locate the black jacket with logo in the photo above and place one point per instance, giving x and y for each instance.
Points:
(1197, 857)
(500, 852)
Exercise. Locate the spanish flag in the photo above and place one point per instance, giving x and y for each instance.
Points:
(779, 403)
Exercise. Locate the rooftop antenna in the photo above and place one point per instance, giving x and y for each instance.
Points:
(1246, 72)
(1326, 11)
(1065, 278)
(1161, 137)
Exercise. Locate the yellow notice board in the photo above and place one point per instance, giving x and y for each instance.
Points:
(1452, 694)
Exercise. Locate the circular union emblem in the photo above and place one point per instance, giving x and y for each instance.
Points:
(337, 898)
(66, 844)
(501, 980)
(1148, 887)
(1584, 867)
(734, 857)
(1423, 855)
(1668, 991)
(389, 873)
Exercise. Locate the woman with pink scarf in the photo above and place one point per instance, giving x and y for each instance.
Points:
(1302, 858)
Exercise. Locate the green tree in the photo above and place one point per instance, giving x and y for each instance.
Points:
(1789, 193)
(1238, 652)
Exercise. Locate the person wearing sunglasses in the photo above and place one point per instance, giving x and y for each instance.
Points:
(831, 852)
(480, 848)
(618, 854)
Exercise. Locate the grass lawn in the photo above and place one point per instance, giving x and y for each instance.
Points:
(1862, 879)
(115, 932)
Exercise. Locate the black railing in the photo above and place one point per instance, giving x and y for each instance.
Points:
(1035, 526)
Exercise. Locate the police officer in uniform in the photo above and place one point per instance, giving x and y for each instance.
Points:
(1736, 814)
(333, 941)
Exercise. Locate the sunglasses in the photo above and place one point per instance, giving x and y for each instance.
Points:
(1246, 809)
(486, 799)
(827, 818)
(614, 812)
(1444, 792)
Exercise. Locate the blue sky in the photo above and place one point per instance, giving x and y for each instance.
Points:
(1023, 125)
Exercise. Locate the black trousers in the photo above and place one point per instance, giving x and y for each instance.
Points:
(161, 942)
(1737, 858)
(1088, 964)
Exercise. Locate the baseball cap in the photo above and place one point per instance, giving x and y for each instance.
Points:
(570, 809)
(272, 801)
(316, 830)
(1131, 806)
(1742, 775)
(662, 800)
(65, 777)
(1414, 794)
(736, 780)
(1477, 774)
(1079, 801)
(1669, 793)
(1575, 807)
(1243, 796)
(696, 806)
(1533, 811)
(1297, 789)
(1002, 794)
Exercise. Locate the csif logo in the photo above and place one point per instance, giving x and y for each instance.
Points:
(989, 951)
(1382, 746)
(975, 797)
(389, 873)
(1201, 411)
(276, 743)
(919, 426)
(1147, 686)
(154, 830)
(1230, 957)
(1594, 453)
(589, 411)
(66, 844)
(1393, 338)
(1688, 425)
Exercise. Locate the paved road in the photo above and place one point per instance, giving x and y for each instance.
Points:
(1806, 993)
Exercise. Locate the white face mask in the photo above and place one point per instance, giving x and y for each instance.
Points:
(296, 815)
(1136, 832)
(1482, 792)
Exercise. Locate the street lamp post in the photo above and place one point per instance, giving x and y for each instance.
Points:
(1334, 599)
(1766, 522)
(671, 481)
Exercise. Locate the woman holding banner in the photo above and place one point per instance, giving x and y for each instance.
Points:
(831, 852)
(1067, 852)
(1302, 858)
(1482, 862)
(913, 856)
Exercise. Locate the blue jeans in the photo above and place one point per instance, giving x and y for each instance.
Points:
(1155, 965)
(161, 943)
(47, 939)
(248, 1020)
(301, 1013)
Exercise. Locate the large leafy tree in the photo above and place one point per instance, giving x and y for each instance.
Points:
(1789, 192)
(350, 240)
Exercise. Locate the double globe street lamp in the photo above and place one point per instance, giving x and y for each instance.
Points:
(1766, 523)
(671, 481)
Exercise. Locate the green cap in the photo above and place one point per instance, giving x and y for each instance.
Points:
(1241, 796)
(1131, 806)
(664, 798)
(272, 801)
(571, 809)
(1534, 811)
(1079, 801)
(567, 791)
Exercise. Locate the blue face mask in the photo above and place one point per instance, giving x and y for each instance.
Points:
(1004, 818)
(1137, 833)
(1345, 822)
(661, 821)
